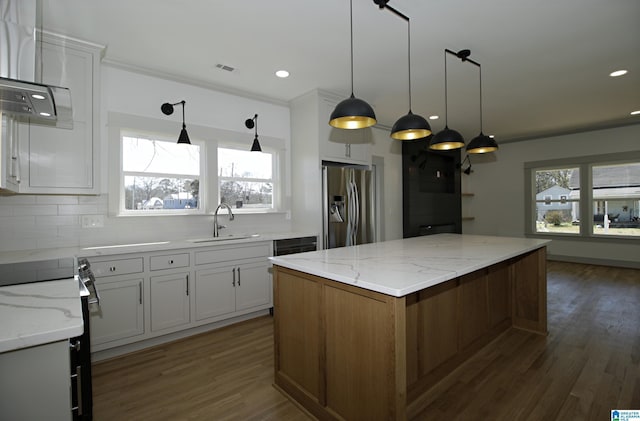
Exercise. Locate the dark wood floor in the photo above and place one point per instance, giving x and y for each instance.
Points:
(588, 365)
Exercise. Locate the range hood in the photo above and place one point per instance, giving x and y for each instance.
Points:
(41, 103)
(20, 94)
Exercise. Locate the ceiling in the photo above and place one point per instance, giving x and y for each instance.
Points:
(545, 64)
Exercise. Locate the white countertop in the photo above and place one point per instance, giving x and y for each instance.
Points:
(39, 313)
(134, 247)
(400, 267)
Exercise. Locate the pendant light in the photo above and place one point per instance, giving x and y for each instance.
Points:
(446, 139)
(168, 110)
(410, 126)
(250, 123)
(352, 113)
(481, 143)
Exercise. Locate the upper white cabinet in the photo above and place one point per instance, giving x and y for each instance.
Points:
(56, 160)
(310, 125)
(341, 145)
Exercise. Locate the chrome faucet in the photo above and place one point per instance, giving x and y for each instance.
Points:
(216, 227)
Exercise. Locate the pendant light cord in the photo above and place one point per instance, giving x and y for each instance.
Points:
(255, 119)
(409, 58)
(480, 71)
(446, 105)
(351, 28)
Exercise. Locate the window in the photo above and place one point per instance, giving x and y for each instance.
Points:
(556, 208)
(608, 207)
(616, 199)
(246, 179)
(159, 176)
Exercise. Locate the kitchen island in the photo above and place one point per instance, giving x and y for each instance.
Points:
(364, 332)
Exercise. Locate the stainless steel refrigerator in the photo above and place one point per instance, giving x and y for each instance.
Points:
(348, 206)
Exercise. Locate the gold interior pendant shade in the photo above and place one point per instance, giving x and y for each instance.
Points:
(481, 143)
(352, 113)
(410, 126)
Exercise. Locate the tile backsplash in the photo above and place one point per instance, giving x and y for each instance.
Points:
(30, 222)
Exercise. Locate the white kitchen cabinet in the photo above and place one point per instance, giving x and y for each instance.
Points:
(120, 316)
(35, 383)
(231, 280)
(228, 289)
(215, 292)
(342, 145)
(147, 295)
(64, 161)
(169, 301)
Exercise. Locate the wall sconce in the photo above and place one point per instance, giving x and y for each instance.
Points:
(410, 126)
(448, 139)
(467, 170)
(251, 123)
(167, 109)
(352, 113)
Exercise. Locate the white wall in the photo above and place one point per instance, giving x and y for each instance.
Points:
(497, 182)
(31, 222)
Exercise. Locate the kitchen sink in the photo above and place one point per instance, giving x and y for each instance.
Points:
(223, 238)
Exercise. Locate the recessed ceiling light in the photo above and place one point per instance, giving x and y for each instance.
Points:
(635, 112)
(282, 73)
(618, 73)
(433, 117)
(37, 96)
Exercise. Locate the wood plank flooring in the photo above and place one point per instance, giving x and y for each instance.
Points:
(587, 365)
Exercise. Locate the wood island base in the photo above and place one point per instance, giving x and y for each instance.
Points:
(347, 353)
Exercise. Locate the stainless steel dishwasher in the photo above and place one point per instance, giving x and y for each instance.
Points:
(294, 245)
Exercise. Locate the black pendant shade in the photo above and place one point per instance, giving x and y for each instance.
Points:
(184, 137)
(482, 144)
(168, 109)
(446, 140)
(410, 127)
(250, 123)
(352, 113)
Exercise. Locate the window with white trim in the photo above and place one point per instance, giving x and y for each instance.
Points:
(596, 196)
(247, 180)
(159, 176)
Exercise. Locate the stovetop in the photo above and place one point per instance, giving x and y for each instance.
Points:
(37, 271)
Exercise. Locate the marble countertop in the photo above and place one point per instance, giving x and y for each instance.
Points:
(135, 247)
(400, 267)
(39, 313)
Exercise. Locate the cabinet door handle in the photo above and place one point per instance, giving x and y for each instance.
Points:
(140, 292)
(234, 277)
(238, 276)
(187, 279)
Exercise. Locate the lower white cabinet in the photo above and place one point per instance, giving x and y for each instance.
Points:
(169, 301)
(121, 312)
(228, 289)
(147, 295)
(34, 384)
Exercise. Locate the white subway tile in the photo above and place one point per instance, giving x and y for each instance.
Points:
(18, 199)
(24, 210)
(57, 220)
(57, 200)
(77, 209)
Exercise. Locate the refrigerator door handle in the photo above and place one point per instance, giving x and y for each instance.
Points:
(356, 207)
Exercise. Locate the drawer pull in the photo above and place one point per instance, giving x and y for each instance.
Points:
(170, 262)
(112, 269)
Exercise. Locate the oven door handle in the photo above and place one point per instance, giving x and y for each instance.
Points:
(91, 284)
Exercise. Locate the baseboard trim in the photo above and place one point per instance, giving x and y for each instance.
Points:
(592, 261)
